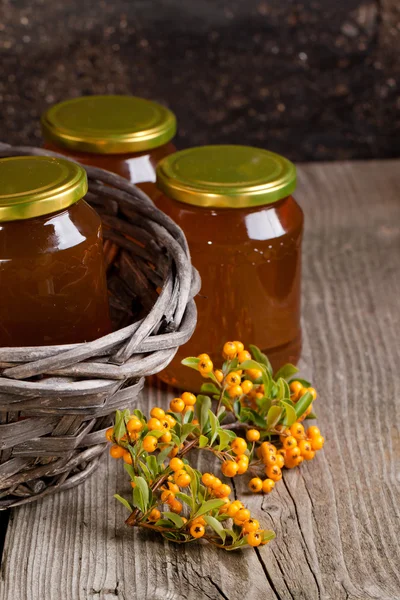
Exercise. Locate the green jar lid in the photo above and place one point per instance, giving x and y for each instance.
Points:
(31, 186)
(226, 176)
(108, 124)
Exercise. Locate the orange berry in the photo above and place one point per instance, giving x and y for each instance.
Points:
(254, 539)
(134, 424)
(173, 452)
(295, 388)
(297, 431)
(157, 413)
(232, 379)
(273, 472)
(173, 487)
(216, 484)
(270, 459)
(235, 506)
(234, 391)
(199, 520)
(313, 431)
(253, 435)
(282, 452)
(177, 405)
(127, 457)
(176, 506)
(197, 530)
(250, 525)
(304, 446)
(224, 508)
(133, 484)
(239, 445)
(289, 442)
(229, 350)
(166, 438)
(254, 374)
(317, 442)
(255, 484)
(219, 376)
(203, 356)
(243, 514)
(167, 496)
(247, 386)
(188, 409)
(267, 448)
(154, 515)
(308, 455)
(176, 464)
(208, 479)
(150, 443)
(170, 420)
(110, 433)
(239, 346)
(116, 451)
(229, 468)
(268, 485)
(313, 392)
(280, 461)
(189, 399)
(292, 453)
(154, 423)
(243, 356)
(205, 366)
(243, 465)
(224, 490)
(182, 478)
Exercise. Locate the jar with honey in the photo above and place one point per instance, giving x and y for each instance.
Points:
(123, 134)
(52, 275)
(244, 231)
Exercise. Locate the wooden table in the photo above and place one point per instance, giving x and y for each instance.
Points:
(337, 518)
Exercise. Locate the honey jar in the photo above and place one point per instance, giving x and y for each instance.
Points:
(52, 276)
(123, 134)
(244, 231)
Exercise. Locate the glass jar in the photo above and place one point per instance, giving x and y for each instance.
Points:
(244, 231)
(52, 273)
(122, 134)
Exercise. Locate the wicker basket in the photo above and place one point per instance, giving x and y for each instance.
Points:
(56, 402)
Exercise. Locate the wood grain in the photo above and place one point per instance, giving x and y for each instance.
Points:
(336, 518)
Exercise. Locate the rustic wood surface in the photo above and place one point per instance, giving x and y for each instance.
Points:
(336, 518)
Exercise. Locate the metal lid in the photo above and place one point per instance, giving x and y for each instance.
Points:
(226, 176)
(31, 186)
(108, 124)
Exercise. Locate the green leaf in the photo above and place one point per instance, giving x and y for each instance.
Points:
(123, 501)
(312, 415)
(188, 417)
(214, 426)
(251, 364)
(141, 494)
(263, 404)
(186, 430)
(203, 441)
(261, 357)
(273, 416)
(283, 389)
(237, 407)
(156, 433)
(151, 462)
(216, 525)
(303, 382)
(248, 414)
(231, 534)
(225, 438)
(290, 414)
(208, 506)
(203, 405)
(286, 372)
(268, 535)
(209, 388)
(191, 362)
(119, 427)
(302, 405)
(163, 454)
(194, 481)
(130, 470)
(186, 499)
(176, 519)
(138, 413)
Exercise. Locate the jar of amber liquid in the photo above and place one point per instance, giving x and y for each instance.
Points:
(122, 134)
(52, 278)
(244, 231)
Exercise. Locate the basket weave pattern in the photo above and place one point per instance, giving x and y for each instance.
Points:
(57, 401)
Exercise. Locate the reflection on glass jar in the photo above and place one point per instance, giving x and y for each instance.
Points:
(51, 255)
(123, 134)
(244, 230)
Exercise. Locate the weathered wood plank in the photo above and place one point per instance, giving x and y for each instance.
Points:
(337, 518)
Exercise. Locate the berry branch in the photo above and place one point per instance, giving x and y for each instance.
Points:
(179, 502)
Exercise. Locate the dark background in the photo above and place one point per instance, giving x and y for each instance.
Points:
(314, 80)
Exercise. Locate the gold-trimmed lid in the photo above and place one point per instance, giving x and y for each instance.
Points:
(226, 176)
(31, 186)
(108, 124)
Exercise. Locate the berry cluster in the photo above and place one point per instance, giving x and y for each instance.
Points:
(170, 496)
